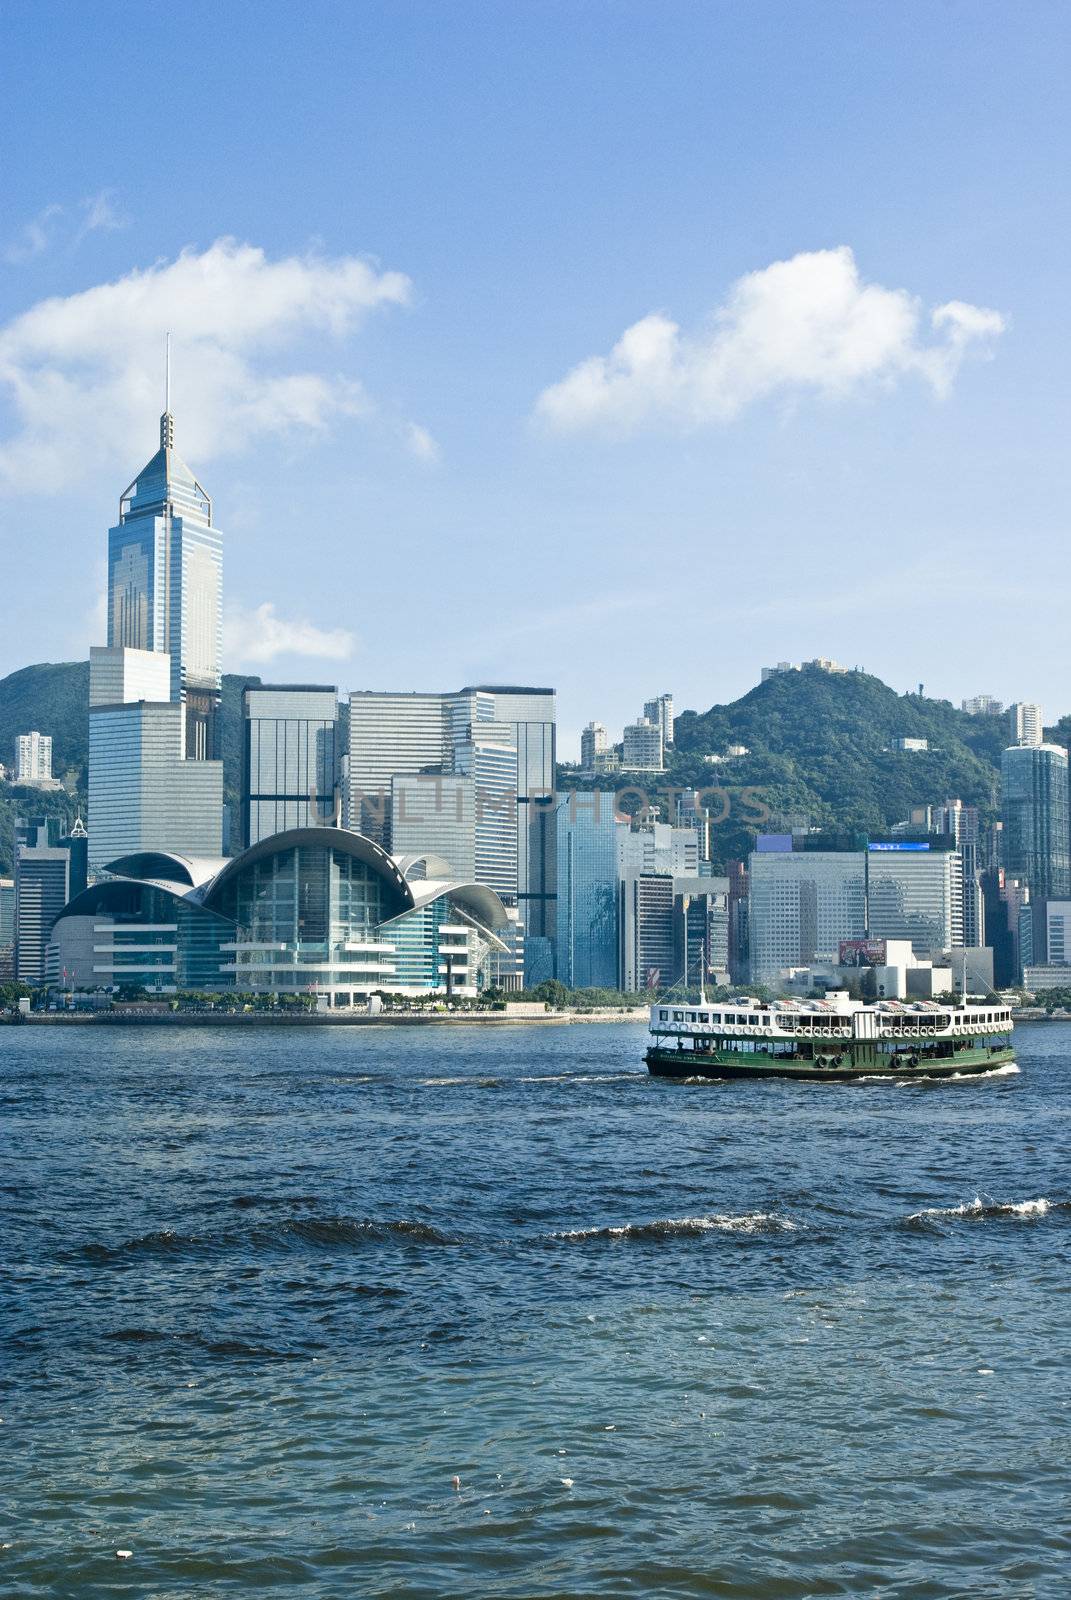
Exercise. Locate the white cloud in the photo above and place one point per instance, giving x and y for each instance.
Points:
(34, 237)
(809, 323)
(101, 213)
(253, 638)
(84, 373)
(421, 443)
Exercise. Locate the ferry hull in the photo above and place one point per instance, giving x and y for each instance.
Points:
(701, 1064)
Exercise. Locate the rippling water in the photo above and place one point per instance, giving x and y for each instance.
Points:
(267, 1294)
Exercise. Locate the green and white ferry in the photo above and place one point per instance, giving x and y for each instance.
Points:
(832, 1040)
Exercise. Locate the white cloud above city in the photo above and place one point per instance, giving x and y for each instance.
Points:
(90, 365)
(255, 636)
(807, 324)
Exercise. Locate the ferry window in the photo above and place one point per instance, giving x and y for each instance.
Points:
(663, 1016)
(678, 1016)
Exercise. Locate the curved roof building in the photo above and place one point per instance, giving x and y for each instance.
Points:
(312, 910)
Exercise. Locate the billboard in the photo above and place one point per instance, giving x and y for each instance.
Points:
(906, 844)
(863, 953)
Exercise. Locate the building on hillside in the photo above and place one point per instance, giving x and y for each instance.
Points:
(291, 758)
(594, 742)
(1026, 723)
(642, 748)
(909, 745)
(801, 903)
(982, 705)
(50, 867)
(659, 710)
(588, 878)
(311, 911)
(33, 760)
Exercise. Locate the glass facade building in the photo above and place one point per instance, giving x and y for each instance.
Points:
(290, 758)
(1036, 838)
(165, 585)
(916, 893)
(315, 910)
(587, 921)
(142, 793)
(801, 904)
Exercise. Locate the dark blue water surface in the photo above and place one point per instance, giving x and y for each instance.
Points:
(266, 1293)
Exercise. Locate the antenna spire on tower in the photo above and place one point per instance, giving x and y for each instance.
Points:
(167, 421)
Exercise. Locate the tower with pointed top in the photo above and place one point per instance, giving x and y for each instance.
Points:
(155, 778)
(165, 586)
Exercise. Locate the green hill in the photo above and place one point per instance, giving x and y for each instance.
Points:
(53, 697)
(822, 747)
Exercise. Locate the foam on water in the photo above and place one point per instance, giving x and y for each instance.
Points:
(684, 1227)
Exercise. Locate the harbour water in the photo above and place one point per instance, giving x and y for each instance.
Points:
(267, 1295)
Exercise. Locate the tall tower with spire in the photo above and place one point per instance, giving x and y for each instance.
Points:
(155, 778)
(165, 582)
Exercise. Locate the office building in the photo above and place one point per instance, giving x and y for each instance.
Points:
(739, 928)
(532, 716)
(1026, 724)
(660, 712)
(701, 929)
(642, 749)
(318, 911)
(291, 758)
(915, 892)
(33, 758)
(500, 736)
(694, 815)
(165, 585)
(143, 793)
(7, 929)
(587, 910)
(802, 902)
(1037, 828)
(649, 957)
(647, 845)
(50, 867)
(155, 780)
(594, 742)
(435, 812)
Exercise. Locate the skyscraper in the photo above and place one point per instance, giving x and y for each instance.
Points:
(290, 758)
(587, 906)
(915, 891)
(155, 780)
(165, 585)
(500, 737)
(50, 868)
(642, 749)
(802, 903)
(1037, 843)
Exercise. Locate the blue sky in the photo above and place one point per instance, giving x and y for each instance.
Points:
(437, 214)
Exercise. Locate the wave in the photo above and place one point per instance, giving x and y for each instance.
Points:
(684, 1227)
(326, 1232)
(982, 1209)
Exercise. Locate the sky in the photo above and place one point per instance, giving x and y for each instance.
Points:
(617, 347)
